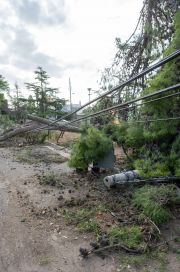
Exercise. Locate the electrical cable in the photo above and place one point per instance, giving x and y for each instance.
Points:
(127, 103)
(155, 120)
(126, 108)
(138, 105)
(147, 70)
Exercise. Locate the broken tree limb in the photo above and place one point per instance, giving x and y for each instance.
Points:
(85, 252)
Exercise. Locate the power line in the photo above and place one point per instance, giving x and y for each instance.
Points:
(138, 105)
(155, 120)
(147, 70)
(127, 103)
(121, 107)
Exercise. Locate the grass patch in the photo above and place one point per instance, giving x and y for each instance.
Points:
(89, 226)
(82, 219)
(130, 236)
(153, 201)
(76, 217)
(159, 259)
(45, 261)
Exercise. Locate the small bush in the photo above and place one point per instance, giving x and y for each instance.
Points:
(130, 236)
(49, 178)
(153, 201)
(92, 146)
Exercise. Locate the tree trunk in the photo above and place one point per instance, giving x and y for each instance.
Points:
(59, 125)
(56, 126)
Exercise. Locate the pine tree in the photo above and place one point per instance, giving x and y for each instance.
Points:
(46, 101)
(158, 152)
(152, 35)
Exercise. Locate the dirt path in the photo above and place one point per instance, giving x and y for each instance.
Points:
(25, 247)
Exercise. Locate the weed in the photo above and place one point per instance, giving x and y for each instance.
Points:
(153, 201)
(26, 157)
(45, 261)
(131, 236)
(89, 226)
(49, 178)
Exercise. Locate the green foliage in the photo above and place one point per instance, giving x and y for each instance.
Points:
(130, 236)
(5, 122)
(153, 33)
(118, 133)
(155, 146)
(175, 156)
(44, 101)
(4, 86)
(92, 146)
(152, 201)
(135, 137)
(152, 163)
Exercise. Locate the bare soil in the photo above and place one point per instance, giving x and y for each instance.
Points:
(34, 235)
(27, 242)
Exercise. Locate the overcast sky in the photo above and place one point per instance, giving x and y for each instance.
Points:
(68, 38)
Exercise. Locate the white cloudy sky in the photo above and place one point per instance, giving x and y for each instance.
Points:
(68, 38)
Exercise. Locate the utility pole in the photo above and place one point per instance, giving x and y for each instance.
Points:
(70, 94)
(17, 96)
(89, 93)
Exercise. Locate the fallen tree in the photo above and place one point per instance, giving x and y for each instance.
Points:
(62, 126)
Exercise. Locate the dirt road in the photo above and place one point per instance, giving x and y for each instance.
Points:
(27, 246)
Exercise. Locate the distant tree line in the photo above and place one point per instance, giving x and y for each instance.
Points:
(42, 101)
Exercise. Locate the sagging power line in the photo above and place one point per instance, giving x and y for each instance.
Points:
(149, 69)
(122, 105)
